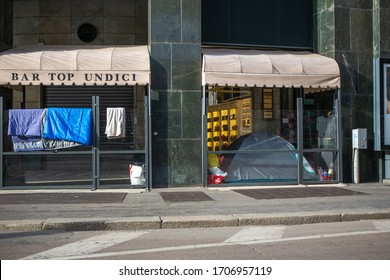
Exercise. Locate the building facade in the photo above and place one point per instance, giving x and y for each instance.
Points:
(173, 130)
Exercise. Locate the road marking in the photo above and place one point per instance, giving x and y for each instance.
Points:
(211, 245)
(86, 246)
(257, 233)
(382, 225)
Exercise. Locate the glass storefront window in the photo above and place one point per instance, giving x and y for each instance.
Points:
(115, 170)
(106, 158)
(47, 170)
(319, 121)
(254, 134)
(325, 164)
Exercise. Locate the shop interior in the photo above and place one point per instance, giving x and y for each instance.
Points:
(253, 135)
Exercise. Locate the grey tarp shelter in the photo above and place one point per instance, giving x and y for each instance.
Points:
(261, 160)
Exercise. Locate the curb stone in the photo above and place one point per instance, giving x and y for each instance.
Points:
(199, 221)
(365, 216)
(256, 220)
(137, 223)
(172, 222)
(21, 225)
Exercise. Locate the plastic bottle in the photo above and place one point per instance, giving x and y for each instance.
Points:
(331, 171)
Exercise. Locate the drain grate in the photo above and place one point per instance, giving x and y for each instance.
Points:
(276, 193)
(185, 196)
(61, 198)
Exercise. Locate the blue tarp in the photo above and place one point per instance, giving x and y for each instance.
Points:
(25, 129)
(70, 124)
(25, 122)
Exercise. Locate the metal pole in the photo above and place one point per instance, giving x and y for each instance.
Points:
(95, 147)
(377, 106)
(339, 138)
(300, 139)
(356, 171)
(204, 138)
(148, 140)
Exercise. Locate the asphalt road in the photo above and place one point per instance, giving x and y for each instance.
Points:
(361, 240)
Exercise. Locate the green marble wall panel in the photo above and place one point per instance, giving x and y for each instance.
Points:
(165, 20)
(326, 32)
(365, 4)
(356, 113)
(161, 163)
(176, 66)
(191, 28)
(323, 6)
(376, 28)
(176, 118)
(385, 29)
(177, 114)
(161, 66)
(363, 111)
(166, 100)
(361, 30)
(185, 157)
(186, 65)
(166, 124)
(366, 72)
(342, 29)
(324, 27)
(166, 115)
(192, 114)
(348, 64)
(361, 4)
(355, 45)
(384, 4)
(176, 163)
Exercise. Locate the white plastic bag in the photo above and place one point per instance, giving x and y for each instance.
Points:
(137, 174)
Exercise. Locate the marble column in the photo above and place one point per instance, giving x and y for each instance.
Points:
(344, 30)
(175, 47)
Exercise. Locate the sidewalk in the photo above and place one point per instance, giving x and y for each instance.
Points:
(137, 209)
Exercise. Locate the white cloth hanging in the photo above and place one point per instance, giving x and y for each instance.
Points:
(116, 123)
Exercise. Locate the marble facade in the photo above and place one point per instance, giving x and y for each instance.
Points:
(351, 31)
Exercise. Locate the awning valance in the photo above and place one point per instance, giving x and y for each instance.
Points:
(269, 69)
(75, 65)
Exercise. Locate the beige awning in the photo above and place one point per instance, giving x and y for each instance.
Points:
(269, 68)
(75, 65)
